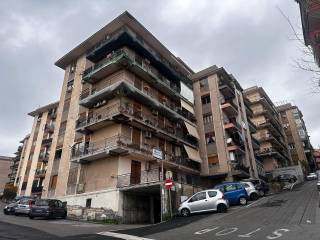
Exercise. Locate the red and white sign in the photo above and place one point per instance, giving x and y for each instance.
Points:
(168, 183)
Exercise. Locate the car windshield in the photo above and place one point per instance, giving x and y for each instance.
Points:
(42, 202)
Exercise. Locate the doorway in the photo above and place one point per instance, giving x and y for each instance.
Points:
(135, 176)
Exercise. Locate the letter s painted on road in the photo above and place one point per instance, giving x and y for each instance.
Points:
(277, 233)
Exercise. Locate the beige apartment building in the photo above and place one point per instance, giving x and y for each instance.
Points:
(124, 97)
(35, 152)
(5, 165)
(273, 152)
(301, 150)
(224, 126)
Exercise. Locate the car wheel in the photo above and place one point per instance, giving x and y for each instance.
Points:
(243, 201)
(221, 208)
(31, 217)
(254, 196)
(185, 212)
(5, 212)
(16, 214)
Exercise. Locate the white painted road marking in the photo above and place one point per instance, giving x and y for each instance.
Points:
(122, 236)
(249, 234)
(277, 233)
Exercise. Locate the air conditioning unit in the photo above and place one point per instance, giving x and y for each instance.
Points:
(80, 188)
(148, 135)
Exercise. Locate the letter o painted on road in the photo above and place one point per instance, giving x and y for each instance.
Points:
(226, 231)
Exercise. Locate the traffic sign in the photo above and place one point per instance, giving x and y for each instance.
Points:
(168, 183)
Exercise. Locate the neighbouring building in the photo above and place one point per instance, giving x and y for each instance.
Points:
(316, 155)
(124, 97)
(224, 126)
(5, 169)
(273, 152)
(310, 11)
(35, 151)
(301, 150)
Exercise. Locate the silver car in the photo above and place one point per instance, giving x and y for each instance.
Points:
(253, 193)
(208, 200)
(24, 206)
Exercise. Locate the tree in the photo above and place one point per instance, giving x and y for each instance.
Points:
(307, 61)
(9, 192)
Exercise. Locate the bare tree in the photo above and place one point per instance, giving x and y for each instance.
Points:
(306, 62)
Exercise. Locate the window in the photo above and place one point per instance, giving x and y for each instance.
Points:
(230, 187)
(88, 202)
(70, 85)
(207, 118)
(205, 99)
(199, 196)
(58, 154)
(212, 194)
(210, 138)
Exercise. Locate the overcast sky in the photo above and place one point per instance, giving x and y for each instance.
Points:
(250, 39)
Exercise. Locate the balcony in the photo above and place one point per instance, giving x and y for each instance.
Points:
(47, 141)
(112, 146)
(40, 173)
(252, 126)
(125, 37)
(125, 113)
(147, 98)
(271, 127)
(43, 157)
(49, 128)
(271, 152)
(271, 138)
(232, 126)
(237, 149)
(36, 189)
(230, 109)
(227, 91)
(148, 177)
(255, 143)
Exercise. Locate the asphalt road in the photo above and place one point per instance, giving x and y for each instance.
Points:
(291, 215)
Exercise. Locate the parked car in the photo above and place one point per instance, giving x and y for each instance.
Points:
(234, 192)
(24, 206)
(260, 185)
(252, 192)
(10, 208)
(312, 176)
(204, 201)
(48, 208)
(286, 178)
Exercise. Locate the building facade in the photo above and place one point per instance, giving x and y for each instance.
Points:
(310, 12)
(301, 150)
(5, 169)
(224, 125)
(316, 154)
(35, 151)
(125, 101)
(273, 151)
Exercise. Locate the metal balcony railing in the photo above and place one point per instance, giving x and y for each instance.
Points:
(36, 189)
(40, 172)
(126, 109)
(144, 177)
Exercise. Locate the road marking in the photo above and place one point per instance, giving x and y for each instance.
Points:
(277, 233)
(206, 230)
(249, 234)
(122, 236)
(226, 231)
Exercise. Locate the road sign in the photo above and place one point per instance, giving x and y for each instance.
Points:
(168, 183)
(157, 153)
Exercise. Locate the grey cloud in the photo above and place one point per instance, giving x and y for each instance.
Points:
(248, 38)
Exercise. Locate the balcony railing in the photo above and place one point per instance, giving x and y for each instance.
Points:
(47, 141)
(117, 144)
(49, 127)
(40, 172)
(145, 177)
(36, 189)
(140, 46)
(150, 120)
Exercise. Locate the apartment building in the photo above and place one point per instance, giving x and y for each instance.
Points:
(35, 151)
(301, 150)
(5, 164)
(273, 152)
(316, 155)
(126, 101)
(223, 118)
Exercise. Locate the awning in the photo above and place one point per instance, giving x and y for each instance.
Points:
(192, 130)
(193, 154)
(187, 106)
